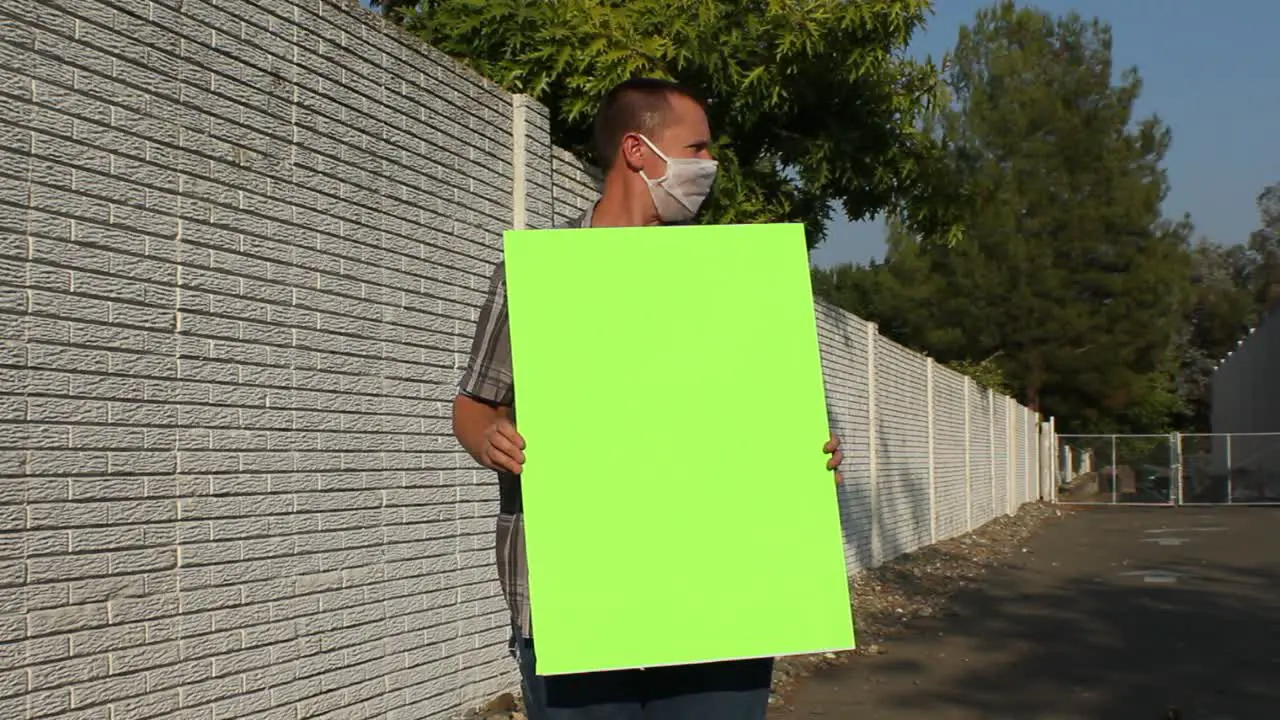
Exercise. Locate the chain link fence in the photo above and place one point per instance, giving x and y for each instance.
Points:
(1230, 468)
(1117, 469)
(1182, 469)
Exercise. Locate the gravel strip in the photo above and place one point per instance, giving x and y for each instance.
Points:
(919, 584)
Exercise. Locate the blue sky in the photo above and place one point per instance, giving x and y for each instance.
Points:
(1208, 70)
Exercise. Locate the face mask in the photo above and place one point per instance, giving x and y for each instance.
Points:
(678, 194)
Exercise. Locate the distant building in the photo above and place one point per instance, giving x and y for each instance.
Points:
(1245, 414)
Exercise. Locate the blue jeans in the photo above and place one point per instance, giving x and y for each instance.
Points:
(731, 690)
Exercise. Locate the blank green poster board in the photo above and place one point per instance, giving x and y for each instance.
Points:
(677, 504)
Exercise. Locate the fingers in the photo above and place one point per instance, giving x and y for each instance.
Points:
(508, 431)
(833, 463)
(832, 445)
(497, 460)
(505, 449)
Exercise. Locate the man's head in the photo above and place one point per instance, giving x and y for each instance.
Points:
(653, 142)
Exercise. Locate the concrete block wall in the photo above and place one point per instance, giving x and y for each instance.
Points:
(847, 362)
(1025, 478)
(242, 248)
(1002, 427)
(951, 452)
(575, 186)
(930, 453)
(902, 448)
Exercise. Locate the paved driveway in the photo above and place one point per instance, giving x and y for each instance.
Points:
(1114, 613)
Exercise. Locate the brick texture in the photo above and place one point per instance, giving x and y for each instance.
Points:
(902, 448)
(1002, 425)
(243, 244)
(575, 186)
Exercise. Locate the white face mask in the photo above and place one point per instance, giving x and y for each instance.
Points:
(679, 194)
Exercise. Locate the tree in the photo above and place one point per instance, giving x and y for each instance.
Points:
(1068, 275)
(814, 103)
(1222, 308)
(1264, 250)
(986, 373)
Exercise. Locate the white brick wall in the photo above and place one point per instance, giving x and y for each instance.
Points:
(843, 340)
(1002, 427)
(950, 444)
(980, 458)
(1024, 431)
(902, 448)
(242, 246)
(575, 186)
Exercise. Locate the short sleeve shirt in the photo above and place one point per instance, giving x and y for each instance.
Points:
(488, 378)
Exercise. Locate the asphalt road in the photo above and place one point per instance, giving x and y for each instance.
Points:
(1113, 613)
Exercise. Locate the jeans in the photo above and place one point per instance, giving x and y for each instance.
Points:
(730, 690)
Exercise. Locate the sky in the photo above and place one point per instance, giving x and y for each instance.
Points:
(1209, 71)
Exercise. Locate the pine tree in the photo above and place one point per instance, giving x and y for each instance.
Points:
(1069, 278)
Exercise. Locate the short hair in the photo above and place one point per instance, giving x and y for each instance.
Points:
(635, 105)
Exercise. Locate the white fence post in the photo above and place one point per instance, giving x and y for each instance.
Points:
(991, 446)
(519, 161)
(933, 476)
(1028, 420)
(1229, 488)
(872, 465)
(1033, 448)
(968, 464)
(1047, 454)
(1037, 470)
(1054, 471)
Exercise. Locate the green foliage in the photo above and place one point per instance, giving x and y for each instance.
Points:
(1264, 250)
(1155, 403)
(984, 372)
(814, 103)
(1068, 276)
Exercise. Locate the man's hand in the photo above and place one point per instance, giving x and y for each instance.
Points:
(503, 448)
(832, 448)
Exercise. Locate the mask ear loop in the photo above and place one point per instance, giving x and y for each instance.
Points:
(665, 160)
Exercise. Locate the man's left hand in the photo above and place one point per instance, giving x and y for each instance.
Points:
(832, 448)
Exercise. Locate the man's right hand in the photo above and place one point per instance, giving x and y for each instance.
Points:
(503, 448)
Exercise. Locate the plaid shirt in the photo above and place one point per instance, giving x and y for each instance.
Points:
(488, 378)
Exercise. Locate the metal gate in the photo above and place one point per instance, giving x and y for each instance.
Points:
(1175, 469)
(1230, 468)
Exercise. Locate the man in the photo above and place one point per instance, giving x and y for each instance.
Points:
(653, 141)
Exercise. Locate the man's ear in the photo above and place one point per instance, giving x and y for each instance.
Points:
(633, 151)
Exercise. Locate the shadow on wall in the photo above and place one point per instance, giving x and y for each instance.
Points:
(898, 538)
(855, 493)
